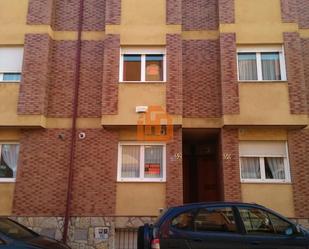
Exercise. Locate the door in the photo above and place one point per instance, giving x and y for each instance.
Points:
(266, 230)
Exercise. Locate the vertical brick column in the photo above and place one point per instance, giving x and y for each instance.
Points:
(226, 11)
(110, 75)
(298, 141)
(289, 11)
(113, 12)
(174, 177)
(174, 74)
(305, 54)
(33, 94)
(40, 12)
(295, 73)
(229, 84)
(173, 11)
(303, 14)
(230, 171)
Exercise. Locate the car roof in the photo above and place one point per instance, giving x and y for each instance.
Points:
(217, 203)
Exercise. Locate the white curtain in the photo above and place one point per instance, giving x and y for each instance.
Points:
(10, 156)
(130, 161)
(276, 167)
(250, 168)
(247, 66)
(271, 66)
(153, 161)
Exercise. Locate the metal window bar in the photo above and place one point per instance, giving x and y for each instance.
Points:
(126, 238)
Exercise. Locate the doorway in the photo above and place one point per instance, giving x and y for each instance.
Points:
(201, 165)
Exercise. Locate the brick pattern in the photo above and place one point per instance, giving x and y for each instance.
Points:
(295, 73)
(230, 174)
(33, 93)
(289, 11)
(43, 171)
(40, 12)
(200, 14)
(226, 11)
(229, 84)
(174, 178)
(113, 12)
(298, 154)
(67, 12)
(303, 14)
(174, 100)
(305, 54)
(173, 11)
(110, 75)
(201, 78)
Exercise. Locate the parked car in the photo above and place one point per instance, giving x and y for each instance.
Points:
(16, 236)
(222, 225)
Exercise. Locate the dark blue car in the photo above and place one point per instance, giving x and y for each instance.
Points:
(15, 236)
(222, 226)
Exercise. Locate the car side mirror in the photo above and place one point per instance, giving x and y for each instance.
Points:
(298, 230)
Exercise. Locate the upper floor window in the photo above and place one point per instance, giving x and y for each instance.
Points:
(11, 59)
(261, 64)
(141, 162)
(8, 161)
(142, 65)
(264, 161)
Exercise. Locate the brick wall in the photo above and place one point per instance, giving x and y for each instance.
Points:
(298, 154)
(230, 174)
(43, 170)
(33, 93)
(174, 178)
(173, 11)
(229, 84)
(113, 11)
(295, 73)
(289, 10)
(200, 14)
(201, 78)
(305, 54)
(226, 11)
(174, 98)
(303, 14)
(40, 12)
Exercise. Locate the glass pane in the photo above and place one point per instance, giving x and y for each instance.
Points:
(274, 168)
(256, 221)
(9, 160)
(11, 76)
(153, 161)
(130, 161)
(271, 66)
(247, 66)
(183, 221)
(215, 220)
(250, 168)
(281, 226)
(132, 67)
(154, 68)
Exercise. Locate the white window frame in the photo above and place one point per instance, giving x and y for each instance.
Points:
(143, 52)
(13, 179)
(142, 164)
(258, 51)
(8, 81)
(263, 178)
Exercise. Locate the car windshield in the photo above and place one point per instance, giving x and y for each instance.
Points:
(14, 230)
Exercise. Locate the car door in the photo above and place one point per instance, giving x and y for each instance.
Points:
(215, 228)
(266, 230)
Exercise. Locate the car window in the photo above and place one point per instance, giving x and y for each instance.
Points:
(215, 220)
(281, 226)
(256, 221)
(183, 221)
(14, 230)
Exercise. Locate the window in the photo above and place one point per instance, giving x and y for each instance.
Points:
(183, 221)
(261, 64)
(8, 161)
(11, 59)
(141, 162)
(142, 65)
(264, 161)
(215, 220)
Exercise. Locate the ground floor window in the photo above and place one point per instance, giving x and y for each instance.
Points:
(264, 161)
(8, 161)
(141, 162)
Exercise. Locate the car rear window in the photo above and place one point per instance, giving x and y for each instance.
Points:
(14, 230)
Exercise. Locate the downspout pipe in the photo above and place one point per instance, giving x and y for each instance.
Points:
(74, 118)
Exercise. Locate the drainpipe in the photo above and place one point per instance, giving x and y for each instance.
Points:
(74, 118)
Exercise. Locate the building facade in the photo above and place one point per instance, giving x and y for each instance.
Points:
(84, 86)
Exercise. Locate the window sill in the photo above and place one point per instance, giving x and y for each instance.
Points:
(141, 181)
(142, 82)
(7, 180)
(8, 82)
(265, 182)
(262, 81)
